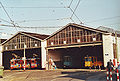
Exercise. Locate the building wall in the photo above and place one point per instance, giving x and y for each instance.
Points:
(107, 48)
(43, 53)
(1, 55)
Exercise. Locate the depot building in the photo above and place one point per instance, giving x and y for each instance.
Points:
(74, 42)
(14, 47)
(67, 46)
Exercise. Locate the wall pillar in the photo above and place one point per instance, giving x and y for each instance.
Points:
(107, 48)
(1, 55)
(43, 54)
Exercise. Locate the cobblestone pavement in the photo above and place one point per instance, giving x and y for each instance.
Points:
(55, 75)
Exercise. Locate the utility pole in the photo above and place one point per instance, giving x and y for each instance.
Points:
(24, 55)
(116, 46)
(0, 40)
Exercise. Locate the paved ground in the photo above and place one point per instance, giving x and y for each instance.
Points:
(55, 75)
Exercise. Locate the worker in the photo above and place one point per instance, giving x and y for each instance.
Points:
(50, 63)
(110, 66)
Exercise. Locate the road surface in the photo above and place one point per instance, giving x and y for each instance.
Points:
(55, 75)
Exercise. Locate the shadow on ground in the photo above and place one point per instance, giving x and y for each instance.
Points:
(80, 75)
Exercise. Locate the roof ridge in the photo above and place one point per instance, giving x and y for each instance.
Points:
(33, 33)
(86, 27)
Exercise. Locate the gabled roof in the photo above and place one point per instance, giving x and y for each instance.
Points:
(80, 26)
(32, 35)
(39, 36)
(108, 29)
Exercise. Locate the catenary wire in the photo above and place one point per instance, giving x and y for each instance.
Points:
(70, 3)
(73, 11)
(43, 20)
(31, 27)
(75, 15)
(103, 19)
(75, 8)
(36, 7)
(12, 22)
(5, 20)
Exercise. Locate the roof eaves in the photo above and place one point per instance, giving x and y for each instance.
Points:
(89, 28)
(31, 36)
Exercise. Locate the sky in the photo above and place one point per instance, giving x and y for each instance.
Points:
(47, 16)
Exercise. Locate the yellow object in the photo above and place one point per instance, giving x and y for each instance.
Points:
(91, 61)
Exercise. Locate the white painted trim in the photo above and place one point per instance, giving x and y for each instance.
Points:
(74, 46)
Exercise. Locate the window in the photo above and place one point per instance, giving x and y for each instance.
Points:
(52, 43)
(6, 48)
(35, 45)
(94, 39)
(15, 47)
(64, 42)
(78, 40)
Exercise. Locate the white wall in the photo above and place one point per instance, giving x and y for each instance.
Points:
(1, 55)
(43, 53)
(107, 48)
